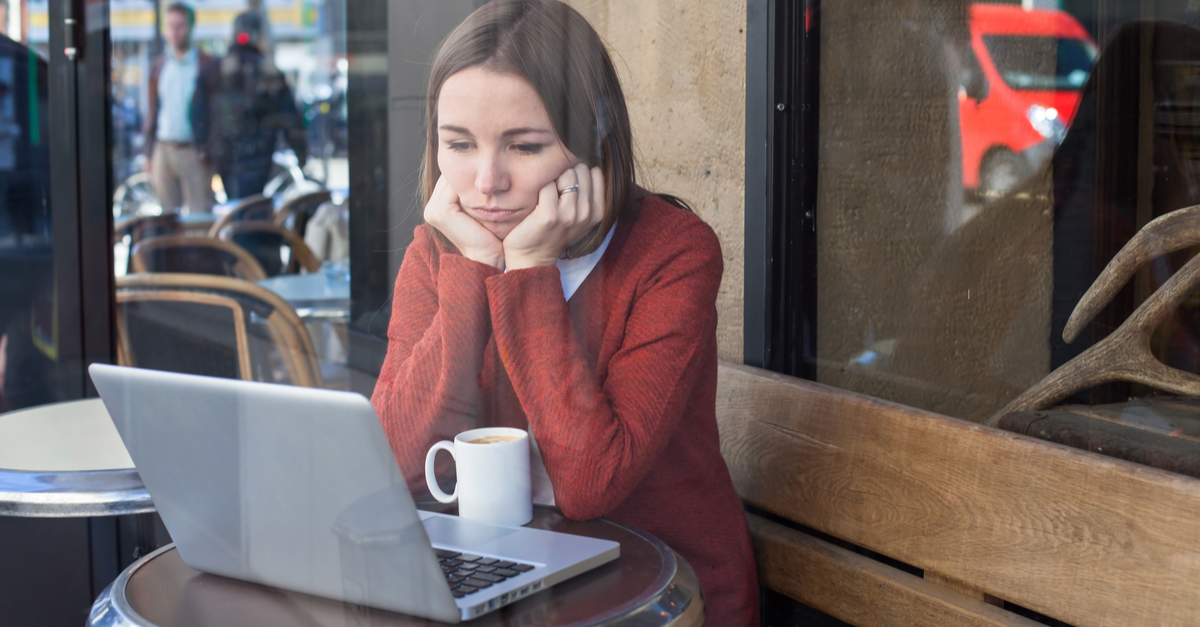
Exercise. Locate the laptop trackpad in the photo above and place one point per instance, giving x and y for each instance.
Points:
(461, 533)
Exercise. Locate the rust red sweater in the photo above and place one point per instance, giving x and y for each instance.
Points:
(618, 384)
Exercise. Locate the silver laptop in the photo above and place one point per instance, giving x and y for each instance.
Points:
(297, 488)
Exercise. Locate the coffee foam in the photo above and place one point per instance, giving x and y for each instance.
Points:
(493, 439)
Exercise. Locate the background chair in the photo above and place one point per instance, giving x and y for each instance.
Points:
(296, 212)
(213, 326)
(265, 241)
(256, 207)
(141, 227)
(194, 255)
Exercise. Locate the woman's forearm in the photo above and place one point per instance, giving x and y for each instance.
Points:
(428, 386)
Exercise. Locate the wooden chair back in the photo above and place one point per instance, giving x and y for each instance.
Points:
(990, 518)
(256, 207)
(298, 210)
(213, 326)
(195, 255)
(263, 240)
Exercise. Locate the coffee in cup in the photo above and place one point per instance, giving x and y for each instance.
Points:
(492, 439)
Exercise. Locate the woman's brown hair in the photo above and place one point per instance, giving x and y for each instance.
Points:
(553, 48)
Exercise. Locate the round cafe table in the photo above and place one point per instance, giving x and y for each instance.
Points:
(647, 586)
(67, 460)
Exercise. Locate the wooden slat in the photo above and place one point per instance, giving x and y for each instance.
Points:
(860, 590)
(962, 588)
(1073, 535)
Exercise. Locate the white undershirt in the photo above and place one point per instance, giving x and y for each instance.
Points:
(573, 273)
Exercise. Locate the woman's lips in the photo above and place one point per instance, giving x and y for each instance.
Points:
(492, 214)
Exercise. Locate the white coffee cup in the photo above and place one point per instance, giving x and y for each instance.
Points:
(493, 477)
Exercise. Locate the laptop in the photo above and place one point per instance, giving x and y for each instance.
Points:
(297, 488)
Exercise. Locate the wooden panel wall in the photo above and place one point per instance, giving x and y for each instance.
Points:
(1086, 539)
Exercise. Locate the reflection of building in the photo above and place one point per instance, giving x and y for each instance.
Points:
(133, 20)
(303, 47)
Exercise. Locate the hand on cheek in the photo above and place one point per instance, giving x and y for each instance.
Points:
(558, 221)
(471, 238)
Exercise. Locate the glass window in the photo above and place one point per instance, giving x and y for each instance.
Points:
(30, 337)
(1041, 63)
(230, 162)
(958, 224)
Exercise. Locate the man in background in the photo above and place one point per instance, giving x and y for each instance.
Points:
(241, 108)
(181, 178)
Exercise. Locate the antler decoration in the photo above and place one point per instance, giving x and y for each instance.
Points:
(1125, 354)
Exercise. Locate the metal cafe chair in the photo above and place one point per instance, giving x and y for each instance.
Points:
(264, 240)
(298, 210)
(256, 207)
(212, 326)
(197, 255)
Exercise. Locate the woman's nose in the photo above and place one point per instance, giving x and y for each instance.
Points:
(492, 177)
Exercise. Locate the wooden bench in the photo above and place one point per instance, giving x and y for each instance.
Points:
(989, 516)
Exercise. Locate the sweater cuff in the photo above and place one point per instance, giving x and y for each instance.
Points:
(466, 269)
(526, 284)
(461, 285)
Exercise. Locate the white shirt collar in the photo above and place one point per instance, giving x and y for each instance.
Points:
(574, 271)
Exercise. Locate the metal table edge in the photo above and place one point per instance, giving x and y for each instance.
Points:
(27, 494)
(111, 608)
(663, 607)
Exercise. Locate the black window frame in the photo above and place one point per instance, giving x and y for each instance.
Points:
(782, 83)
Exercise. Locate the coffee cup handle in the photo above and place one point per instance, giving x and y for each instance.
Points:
(431, 474)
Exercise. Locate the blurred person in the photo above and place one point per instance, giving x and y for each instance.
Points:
(180, 176)
(241, 108)
(547, 290)
(328, 233)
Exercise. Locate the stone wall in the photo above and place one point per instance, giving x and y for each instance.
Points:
(683, 68)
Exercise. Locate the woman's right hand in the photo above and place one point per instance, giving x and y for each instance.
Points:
(472, 239)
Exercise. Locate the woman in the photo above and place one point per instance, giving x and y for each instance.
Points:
(548, 291)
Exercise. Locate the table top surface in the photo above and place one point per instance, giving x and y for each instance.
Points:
(66, 460)
(73, 436)
(309, 288)
(648, 585)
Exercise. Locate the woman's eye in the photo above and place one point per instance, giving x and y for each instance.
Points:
(528, 149)
(459, 146)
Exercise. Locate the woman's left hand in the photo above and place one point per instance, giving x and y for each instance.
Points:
(558, 221)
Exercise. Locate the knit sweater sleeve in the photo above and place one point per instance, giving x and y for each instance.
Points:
(600, 438)
(428, 388)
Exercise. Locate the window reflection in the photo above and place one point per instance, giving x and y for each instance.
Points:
(948, 289)
(28, 309)
(231, 188)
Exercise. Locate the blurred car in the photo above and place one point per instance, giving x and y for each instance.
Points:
(1036, 63)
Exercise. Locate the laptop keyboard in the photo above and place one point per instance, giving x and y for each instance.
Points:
(468, 574)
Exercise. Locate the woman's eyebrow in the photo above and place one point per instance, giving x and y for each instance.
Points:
(524, 130)
(509, 133)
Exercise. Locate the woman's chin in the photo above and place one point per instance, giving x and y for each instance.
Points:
(501, 228)
(501, 231)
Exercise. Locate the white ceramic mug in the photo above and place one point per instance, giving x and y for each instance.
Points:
(493, 478)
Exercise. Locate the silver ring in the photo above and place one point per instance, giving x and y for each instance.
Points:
(569, 189)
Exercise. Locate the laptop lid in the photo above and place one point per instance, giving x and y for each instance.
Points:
(289, 487)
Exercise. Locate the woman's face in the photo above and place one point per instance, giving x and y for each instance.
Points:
(496, 146)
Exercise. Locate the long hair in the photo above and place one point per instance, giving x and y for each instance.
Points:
(552, 47)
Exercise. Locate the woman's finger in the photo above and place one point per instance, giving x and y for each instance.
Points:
(434, 207)
(448, 195)
(583, 204)
(568, 201)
